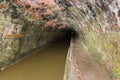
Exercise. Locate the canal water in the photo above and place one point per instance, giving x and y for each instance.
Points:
(47, 64)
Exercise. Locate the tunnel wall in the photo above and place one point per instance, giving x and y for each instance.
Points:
(19, 38)
(26, 26)
(98, 25)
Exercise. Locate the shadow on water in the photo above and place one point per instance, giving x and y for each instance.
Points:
(47, 64)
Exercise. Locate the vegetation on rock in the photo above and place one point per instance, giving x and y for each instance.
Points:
(24, 28)
(99, 25)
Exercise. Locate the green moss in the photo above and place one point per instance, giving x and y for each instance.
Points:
(97, 10)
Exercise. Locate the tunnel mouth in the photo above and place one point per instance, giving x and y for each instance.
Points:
(67, 34)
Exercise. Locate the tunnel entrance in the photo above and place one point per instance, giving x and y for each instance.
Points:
(70, 33)
(67, 34)
(48, 64)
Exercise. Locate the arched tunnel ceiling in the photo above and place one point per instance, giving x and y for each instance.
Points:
(90, 9)
(43, 11)
(109, 8)
(49, 11)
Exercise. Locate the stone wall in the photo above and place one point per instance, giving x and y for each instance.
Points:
(99, 25)
(26, 25)
(20, 40)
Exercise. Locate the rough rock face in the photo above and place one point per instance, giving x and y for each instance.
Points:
(99, 22)
(22, 30)
(18, 41)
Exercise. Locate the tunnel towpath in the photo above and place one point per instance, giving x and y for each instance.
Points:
(84, 66)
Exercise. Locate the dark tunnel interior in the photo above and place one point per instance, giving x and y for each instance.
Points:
(67, 34)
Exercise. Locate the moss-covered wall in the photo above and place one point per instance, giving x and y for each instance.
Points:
(18, 41)
(99, 25)
(26, 26)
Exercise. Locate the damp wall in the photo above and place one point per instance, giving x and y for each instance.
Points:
(18, 41)
(99, 25)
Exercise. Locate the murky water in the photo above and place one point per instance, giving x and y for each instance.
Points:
(44, 65)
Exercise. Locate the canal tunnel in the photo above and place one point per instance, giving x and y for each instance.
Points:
(48, 64)
(25, 34)
(26, 37)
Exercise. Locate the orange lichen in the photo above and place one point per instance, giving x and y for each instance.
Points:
(51, 23)
(13, 35)
(32, 6)
(2, 6)
(48, 12)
